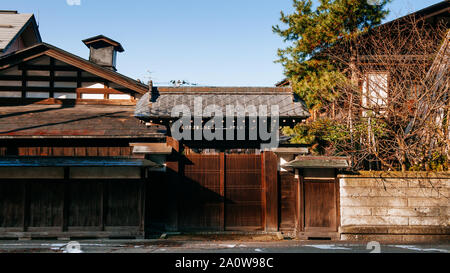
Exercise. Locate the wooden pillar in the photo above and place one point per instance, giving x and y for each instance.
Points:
(222, 191)
(103, 204)
(52, 78)
(174, 177)
(337, 185)
(24, 84)
(26, 205)
(301, 201)
(142, 203)
(66, 200)
(270, 183)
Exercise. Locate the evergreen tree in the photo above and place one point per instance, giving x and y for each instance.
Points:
(311, 31)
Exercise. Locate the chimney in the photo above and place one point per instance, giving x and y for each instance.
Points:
(103, 51)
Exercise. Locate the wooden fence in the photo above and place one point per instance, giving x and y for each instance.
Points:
(220, 192)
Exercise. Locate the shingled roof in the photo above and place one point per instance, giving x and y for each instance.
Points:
(12, 24)
(80, 121)
(160, 103)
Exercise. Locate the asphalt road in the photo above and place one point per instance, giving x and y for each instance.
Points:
(182, 246)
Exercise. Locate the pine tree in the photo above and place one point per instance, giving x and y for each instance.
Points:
(311, 31)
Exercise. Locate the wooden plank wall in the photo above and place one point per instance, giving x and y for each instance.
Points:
(200, 204)
(289, 191)
(76, 208)
(232, 192)
(75, 151)
(270, 184)
(244, 206)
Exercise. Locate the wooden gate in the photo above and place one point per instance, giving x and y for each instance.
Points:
(320, 206)
(236, 192)
(244, 207)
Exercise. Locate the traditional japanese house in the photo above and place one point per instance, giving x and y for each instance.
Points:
(227, 183)
(70, 161)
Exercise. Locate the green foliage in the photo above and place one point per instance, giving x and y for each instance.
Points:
(438, 163)
(321, 135)
(330, 137)
(311, 31)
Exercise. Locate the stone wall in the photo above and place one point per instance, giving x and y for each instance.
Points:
(404, 205)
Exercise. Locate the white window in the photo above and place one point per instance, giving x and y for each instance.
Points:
(65, 96)
(119, 97)
(92, 85)
(375, 90)
(93, 96)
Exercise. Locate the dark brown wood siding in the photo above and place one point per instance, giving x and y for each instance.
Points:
(215, 193)
(75, 208)
(244, 193)
(289, 191)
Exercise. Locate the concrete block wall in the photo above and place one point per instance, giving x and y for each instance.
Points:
(395, 203)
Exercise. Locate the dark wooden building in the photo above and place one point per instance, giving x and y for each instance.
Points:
(70, 164)
(88, 152)
(232, 185)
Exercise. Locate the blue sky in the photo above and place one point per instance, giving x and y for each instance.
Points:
(208, 42)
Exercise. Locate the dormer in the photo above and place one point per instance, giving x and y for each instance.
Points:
(103, 51)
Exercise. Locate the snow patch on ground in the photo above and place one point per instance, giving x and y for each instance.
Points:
(329, 247)
(415, 248)
(228, 246)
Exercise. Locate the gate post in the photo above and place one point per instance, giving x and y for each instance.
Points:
(222, 191)
(269, 163)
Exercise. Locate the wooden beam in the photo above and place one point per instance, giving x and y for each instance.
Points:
(173, 178)
(24, 85)
(93, 69)
(338, 200)
(105, 91)
(271, 191)
(151, 148)
(52, 78)
(301, 201)
(175, 144)
(47, 67)
(142, 201)
(25, 205)
(103, 204)
(222, 191)
(66, 200)
(47, 78)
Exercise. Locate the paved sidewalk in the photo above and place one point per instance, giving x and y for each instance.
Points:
(202, 246)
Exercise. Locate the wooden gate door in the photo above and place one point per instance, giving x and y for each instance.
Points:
(244, 208)
(320, 207)
(233, 192)
(201, 205)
